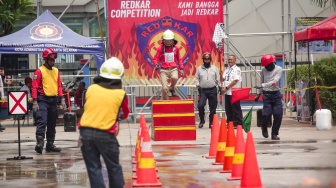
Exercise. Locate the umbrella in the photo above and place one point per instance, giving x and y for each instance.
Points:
(247, 120)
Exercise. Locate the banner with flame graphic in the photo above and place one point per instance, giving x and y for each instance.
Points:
(136, 27)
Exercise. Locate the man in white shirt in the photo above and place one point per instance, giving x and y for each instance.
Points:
(232, 79)
(27, 87)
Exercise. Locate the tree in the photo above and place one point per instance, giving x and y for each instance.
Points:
(322, 3)
(11, 11)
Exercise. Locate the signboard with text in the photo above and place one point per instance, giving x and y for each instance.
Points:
(136, 28)
(315, 47)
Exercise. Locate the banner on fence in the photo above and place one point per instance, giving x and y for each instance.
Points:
(315, 47)
(136, 27)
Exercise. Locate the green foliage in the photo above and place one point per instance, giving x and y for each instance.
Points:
(11, 11)
(324, 71)
(301, 74)
(323, 3)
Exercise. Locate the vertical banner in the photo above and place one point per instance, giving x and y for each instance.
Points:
(136, 28)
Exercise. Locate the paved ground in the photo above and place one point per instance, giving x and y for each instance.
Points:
(304, 157)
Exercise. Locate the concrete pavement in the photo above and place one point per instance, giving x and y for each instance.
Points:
(304, 157)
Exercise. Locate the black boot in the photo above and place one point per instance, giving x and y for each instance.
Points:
(173, 93)
(39, 144)
(50, 147)
(264, 132)
(2, 128)
(200, 125)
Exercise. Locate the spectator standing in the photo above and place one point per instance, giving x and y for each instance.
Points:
(207, 80)
(232, 79)
(7, 81)
(99, 124)
(2, 93)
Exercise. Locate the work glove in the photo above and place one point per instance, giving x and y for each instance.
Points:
(35, 106)
(181, 72)
(199, 89)
(63, 105)
(157, 67)
(257, 98)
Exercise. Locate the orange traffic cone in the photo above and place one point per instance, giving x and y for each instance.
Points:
(229, 150)
(251, 175)
(214, 138)
(221, 143)
(138, 157)
(238, 158)
(142, 122)
(137, 145)
(146, 173)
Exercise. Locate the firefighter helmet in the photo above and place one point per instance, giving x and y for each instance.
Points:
(267, 59)
(49, 53)
(112, 69)
(206, 55)
(168, 35)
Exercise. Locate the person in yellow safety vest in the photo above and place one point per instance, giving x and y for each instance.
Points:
(46, 88)
(99, 124)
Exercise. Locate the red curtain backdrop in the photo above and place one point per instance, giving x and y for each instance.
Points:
(136, 27)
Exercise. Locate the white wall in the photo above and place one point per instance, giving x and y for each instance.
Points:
(264, 16)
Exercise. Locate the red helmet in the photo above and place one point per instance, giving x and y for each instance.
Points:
(49, 53)
(267, 59)
(28, 80)
(206, 55)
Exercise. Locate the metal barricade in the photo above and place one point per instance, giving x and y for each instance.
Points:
(185, 89)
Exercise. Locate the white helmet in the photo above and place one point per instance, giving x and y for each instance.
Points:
(112, 69)
(168, 35)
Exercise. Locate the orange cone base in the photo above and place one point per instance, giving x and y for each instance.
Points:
(225, 171)
(134, 169)
(158, 184)
(233, 178)
(136, 177)
(214, 163)
(248, 187)
(210, 157)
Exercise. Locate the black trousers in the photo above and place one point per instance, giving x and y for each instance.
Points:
(272, 106)
(233, 111)
(211, 95)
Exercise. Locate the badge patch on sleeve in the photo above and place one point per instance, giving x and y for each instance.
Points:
(35, 77)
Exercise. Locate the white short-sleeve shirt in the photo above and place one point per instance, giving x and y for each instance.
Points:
(230, 74)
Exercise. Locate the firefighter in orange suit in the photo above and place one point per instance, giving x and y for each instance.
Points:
(46, 88)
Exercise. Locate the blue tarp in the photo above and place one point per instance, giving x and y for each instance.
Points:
(48, 32)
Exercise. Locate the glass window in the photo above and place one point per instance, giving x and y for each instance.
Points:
(94, 26)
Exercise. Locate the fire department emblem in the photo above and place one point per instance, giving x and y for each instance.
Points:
(149, 36)
(46, 31)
